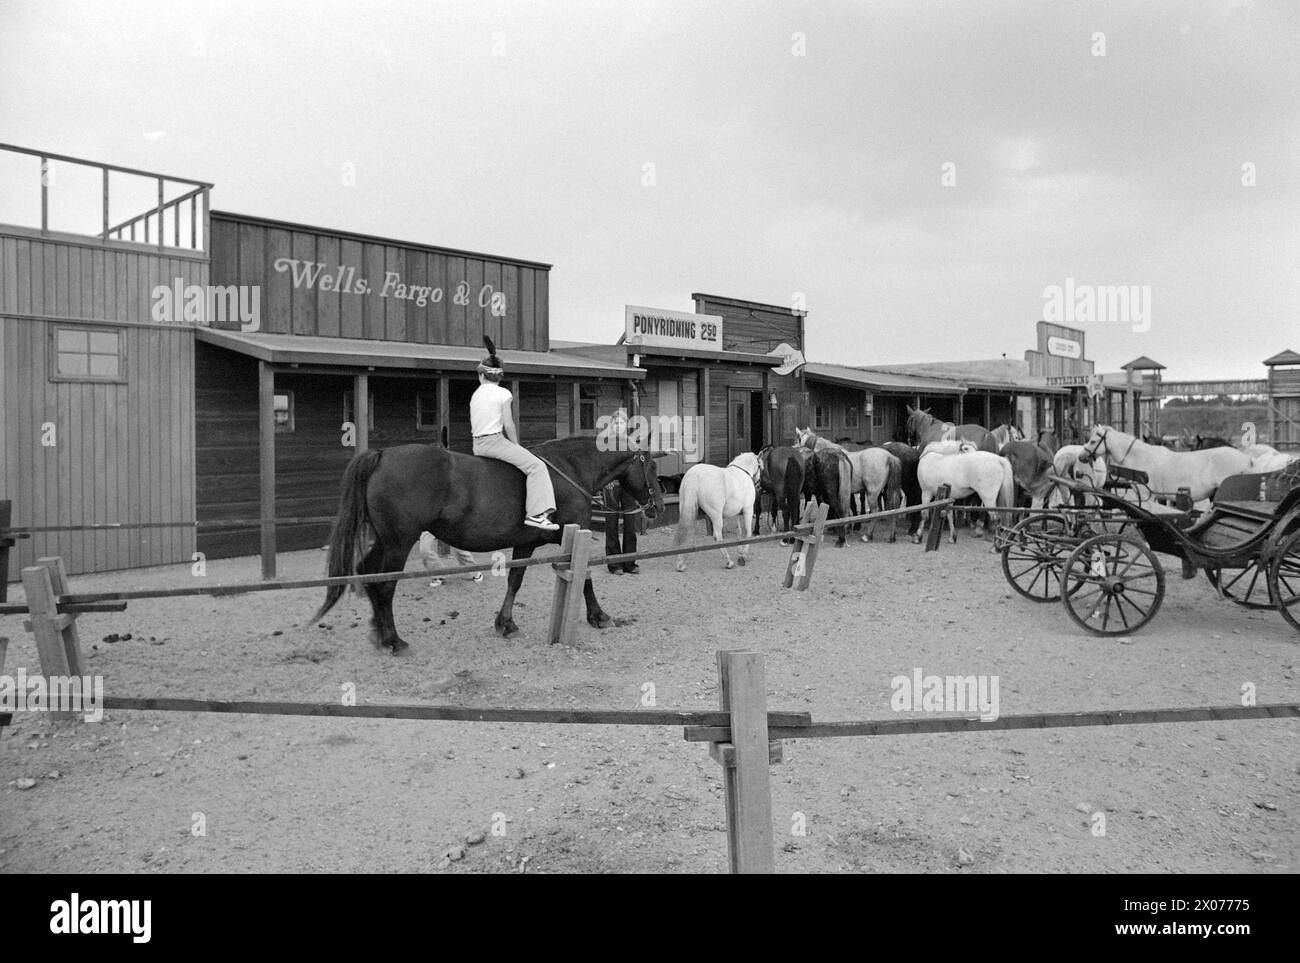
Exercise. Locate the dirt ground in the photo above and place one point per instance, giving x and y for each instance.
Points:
(320, 795)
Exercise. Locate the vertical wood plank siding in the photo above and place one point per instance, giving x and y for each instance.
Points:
(123, 452)
(244, 252)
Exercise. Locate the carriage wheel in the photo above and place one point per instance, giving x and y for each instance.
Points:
(1114, 584)
(1248, 587)
(1033, 553)
(1284, 579)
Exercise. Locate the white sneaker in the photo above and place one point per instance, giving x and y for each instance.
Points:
(542, 522)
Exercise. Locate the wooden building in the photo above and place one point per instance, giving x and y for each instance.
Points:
(96, 383)
(360, 342)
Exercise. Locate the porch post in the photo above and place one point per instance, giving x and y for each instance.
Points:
(444, 414)
(266, 464)
(361, 410)
(704, 412)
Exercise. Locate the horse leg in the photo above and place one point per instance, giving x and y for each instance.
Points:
(744, 549)
(597, 617)
(868, 527)
(505, 621)
(718, 523)
(920, 528)
(383, 629)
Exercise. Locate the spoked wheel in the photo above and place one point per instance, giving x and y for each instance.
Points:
(1284, 579)
(1114, 584)
(1248, 586)
(1034, 551)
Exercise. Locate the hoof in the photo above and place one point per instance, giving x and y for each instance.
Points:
(742, 560)
(376, 639)
(729, 564)
(916, 539)
(865, 538)
(506, 629)
(892, 539)
(680, 567)
(600, 621)
(398, 646)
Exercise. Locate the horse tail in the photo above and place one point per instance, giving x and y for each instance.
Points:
(349, 527)
(1007, 491)
(894, 482)
(846, 483)
(688, 508)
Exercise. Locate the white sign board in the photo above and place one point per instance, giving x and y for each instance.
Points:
(1064, 348)
(791, 358)
(654, 327)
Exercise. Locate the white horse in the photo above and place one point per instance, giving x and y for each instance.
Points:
(721, 493)
(876, 472)
(1066, 464)
(1005, 433)
(964, 470)
(1263, 458)
(1167, 471)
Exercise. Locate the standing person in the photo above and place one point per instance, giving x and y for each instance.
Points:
(492, 423)
(433, 551)
(621, 509)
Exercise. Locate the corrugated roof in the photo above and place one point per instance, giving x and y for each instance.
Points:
(360, 352)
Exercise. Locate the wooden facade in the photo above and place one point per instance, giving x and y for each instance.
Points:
(80, 452)
(315, 281)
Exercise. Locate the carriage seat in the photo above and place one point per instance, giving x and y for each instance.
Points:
(1119, 478)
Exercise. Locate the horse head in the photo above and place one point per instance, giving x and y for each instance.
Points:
(749, 463)
(1096, 444)
(640, 479)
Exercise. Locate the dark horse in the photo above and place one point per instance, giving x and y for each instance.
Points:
(476, 504)
(909, 457)
(1204, 442)
(782, 477)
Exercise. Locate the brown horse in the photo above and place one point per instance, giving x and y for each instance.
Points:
(476, 504)
(923, 428)
(782, 478)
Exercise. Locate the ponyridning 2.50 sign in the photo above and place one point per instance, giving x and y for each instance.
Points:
(655, 327)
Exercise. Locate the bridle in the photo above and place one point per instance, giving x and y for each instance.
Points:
(1091, 450)
(754, 476)
(641, 506)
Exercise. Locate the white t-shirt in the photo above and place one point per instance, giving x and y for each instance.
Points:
(485, 407)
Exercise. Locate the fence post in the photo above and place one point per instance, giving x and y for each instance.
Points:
(69, 635)
(803, 555)
(5, 717)
(6, 542)
(745, 760)
(47, 625)
(935, 533)
(570, 579)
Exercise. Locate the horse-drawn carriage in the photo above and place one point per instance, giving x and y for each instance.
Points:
(1100, 560)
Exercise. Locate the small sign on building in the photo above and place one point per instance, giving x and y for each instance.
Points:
(656, 327)
(1064, 348)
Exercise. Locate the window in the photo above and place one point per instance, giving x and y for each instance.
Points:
(282, 405)
(851, 416)
(821, 416)
(86, 354)
(426, 411)
(588, 395)
(348, 413)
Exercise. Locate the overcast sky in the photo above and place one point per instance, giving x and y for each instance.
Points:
(797, 149)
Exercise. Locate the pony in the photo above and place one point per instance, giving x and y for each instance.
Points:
(1006, 433)
(721, 493)
(878, 478)
(1198, 471)
(965, 470)
(923, 428)
(389, 496)
(781, 475)
(831, 476)
(1031, 466)
(907, 458)
(1066, 464)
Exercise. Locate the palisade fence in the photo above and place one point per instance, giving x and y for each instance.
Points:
(743, 736)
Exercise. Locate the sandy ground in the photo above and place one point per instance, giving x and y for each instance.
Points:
(298, 794)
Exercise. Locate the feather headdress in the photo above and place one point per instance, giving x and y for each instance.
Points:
(491, 365)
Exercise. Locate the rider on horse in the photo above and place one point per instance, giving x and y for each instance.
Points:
(495, 436)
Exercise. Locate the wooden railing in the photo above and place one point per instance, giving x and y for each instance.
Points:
(196, 197)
